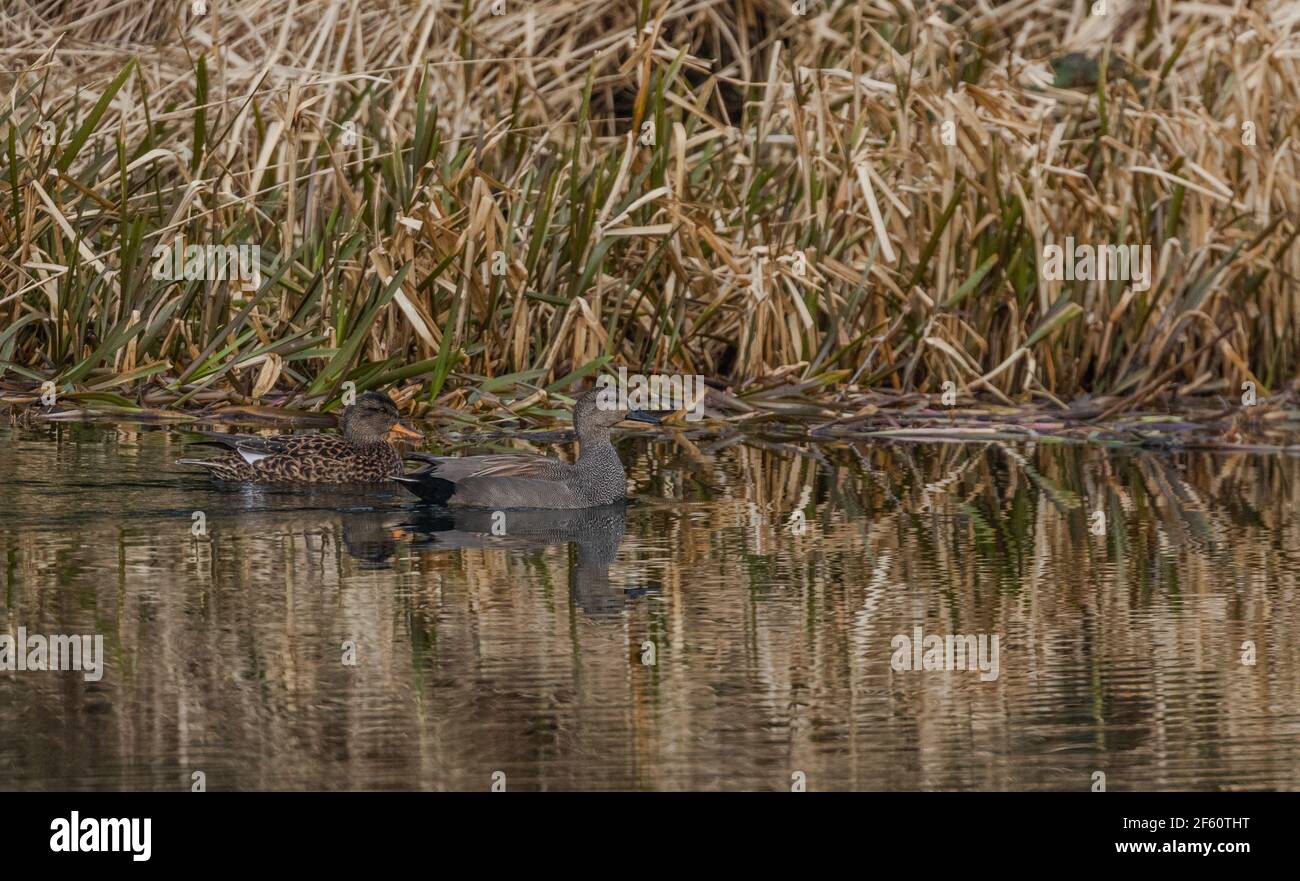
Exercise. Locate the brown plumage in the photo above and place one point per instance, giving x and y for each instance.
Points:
(362, 454)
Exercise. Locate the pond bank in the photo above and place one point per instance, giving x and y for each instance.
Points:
(1271, 425)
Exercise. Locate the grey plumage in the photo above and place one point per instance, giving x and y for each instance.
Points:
(527, 481)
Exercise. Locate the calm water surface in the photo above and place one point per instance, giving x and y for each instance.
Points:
(524, 653)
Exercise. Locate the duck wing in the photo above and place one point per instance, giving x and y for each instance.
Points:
(518, 466)
(254, 447)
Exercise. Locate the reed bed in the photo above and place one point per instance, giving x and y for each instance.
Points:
(474, 210)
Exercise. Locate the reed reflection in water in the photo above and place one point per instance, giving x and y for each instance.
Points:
(526, 652)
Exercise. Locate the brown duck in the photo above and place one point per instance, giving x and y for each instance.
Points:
(362, 454)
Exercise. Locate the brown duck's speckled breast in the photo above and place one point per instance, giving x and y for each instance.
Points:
(313, 459)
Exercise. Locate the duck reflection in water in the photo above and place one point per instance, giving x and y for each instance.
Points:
(369, 539)
(595, 533)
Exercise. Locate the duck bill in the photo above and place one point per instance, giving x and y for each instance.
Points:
(400, 430)
(643, 416)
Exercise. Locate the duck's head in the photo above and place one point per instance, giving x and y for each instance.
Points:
(594, 412)
(373, 418)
